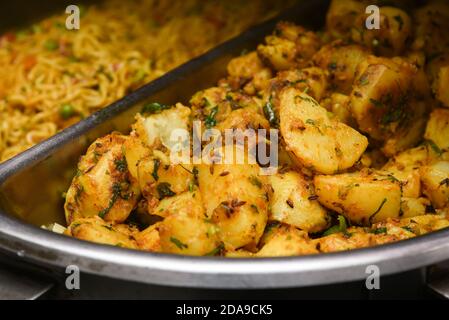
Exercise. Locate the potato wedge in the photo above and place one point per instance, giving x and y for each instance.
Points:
(341, 61)
(103, 185)
(341, 17)
(317, 142)
(186, 230)
(290, 46)
(363, 197)
(235, 197)
(158, 179)
(380, 99)
(391, 39)
(97, 230)
(291, 203)
(156, 129)
(435, 183)
(438, 128)
(287, 241)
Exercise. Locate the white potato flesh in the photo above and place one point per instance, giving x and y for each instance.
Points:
(435, 182)
(291, 203)
(363, 197)
(412, 207)
(316, 141)
(157, 129)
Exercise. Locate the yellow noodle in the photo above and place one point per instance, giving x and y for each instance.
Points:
(120, 46)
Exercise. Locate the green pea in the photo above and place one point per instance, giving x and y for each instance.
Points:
(51, 45)
(66, 111)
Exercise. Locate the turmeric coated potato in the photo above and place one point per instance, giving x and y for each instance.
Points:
(290, 46)
(235, 197)
(158, 179)
(392, 36)
(186, 228)
(341, 16)
(438, 73)
(435, 181)
(341, 61)
(286, 241)
(292, 203)
(363, 197)
(431, 23)
(437, 129)
(103, 185)
(97, 230)
(316, 141)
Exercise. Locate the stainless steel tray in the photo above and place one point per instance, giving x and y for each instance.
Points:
(31, 185)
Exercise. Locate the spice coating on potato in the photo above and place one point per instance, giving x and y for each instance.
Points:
(363, 197)
(318, 142)
(103, 185)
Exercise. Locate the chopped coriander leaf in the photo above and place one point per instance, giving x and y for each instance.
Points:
(178, 243)
(121, 164)
(392, 116)
(310, 121)
(307, 99)
(378, 209)
(331, 230)
(379, 230)
(341, 227)
(191, 186)
(255, 181)
(409, 229)
(434, 147)
(342, 223)
(217, 251)
(210, 119)
(116, 190)
(154, 107)
(164, 190)
(156, 165)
